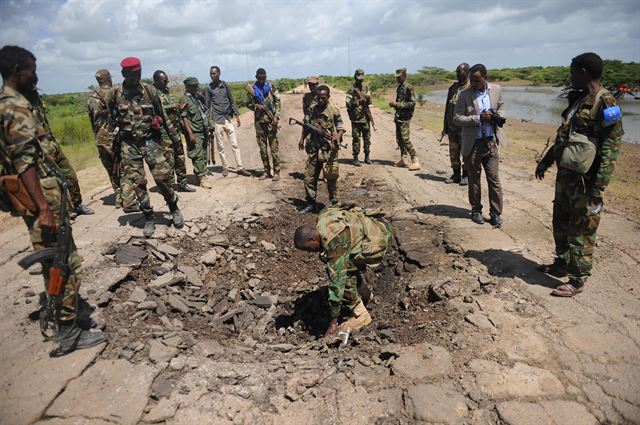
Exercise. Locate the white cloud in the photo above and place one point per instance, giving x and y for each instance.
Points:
(293, 38)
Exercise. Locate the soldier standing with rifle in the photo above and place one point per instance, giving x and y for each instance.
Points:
(196, 131)
(404, 105)
(263, 98)
(104, 132)
(137, 110)
(322, 148)
(29, 188)
(173, 151)
(358, 101)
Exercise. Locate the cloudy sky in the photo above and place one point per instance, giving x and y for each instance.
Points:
(74, 38)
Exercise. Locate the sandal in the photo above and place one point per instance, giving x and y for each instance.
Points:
(264, 176)
(567, 290)
(556, 269)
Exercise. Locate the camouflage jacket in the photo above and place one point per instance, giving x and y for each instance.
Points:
(194, 112)
(46, 139)
(355, 107)
(328, 118)
(588, 121)
(308, 100)
(133, 109)
(450, 106)
(351, 241)
(19, 148)
(101, 123)
(405, 102)
(170, 104)
(271, 102)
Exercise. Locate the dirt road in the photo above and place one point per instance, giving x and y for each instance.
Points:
(219, 322)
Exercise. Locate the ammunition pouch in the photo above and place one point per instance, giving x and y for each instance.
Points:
(578, 153)
(15, 198)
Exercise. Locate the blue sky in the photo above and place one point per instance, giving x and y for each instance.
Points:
(73, 39)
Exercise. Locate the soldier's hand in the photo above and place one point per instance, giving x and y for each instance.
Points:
(46, 219)
(332, 329)
(259, 107)
(392, 104)
(274, 121)
(540, 170)
(238, 122)
(301, 144)
(486, 117)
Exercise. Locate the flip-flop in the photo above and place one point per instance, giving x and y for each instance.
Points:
(567, 290)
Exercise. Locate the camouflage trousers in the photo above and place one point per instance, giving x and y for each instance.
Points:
(174, 154)
(122, 188)
(318, 162)
(267, 138)
(574, 231)
(134, 154)
(360, 130)
(54, 150)
(403, 138)
(455, 152)
(41, 240)
(343, 293)
(198, 155)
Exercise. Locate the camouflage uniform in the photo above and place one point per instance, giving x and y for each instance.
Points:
(20, 150)
(173, 152)
(308, 100)
(325, 160)
(454, 132)
(405, 104)
(194, 112)
(351, 241)
(103, 131)
(51, 148)
(574, 230)
(360, 128)
(133, 110)
(266, 132)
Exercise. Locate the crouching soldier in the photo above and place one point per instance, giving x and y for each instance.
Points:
(349, 240)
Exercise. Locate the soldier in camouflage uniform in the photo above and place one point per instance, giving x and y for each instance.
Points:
(21, 155)
(51, 148)
(137, 110)
(103, 131)
(309, 98)
(266, 107)
(578, 197)
(194, 122)
(452, 131)
(173, 152)
(358, 98)
(404, 105)
(349, 240)
(323, 153)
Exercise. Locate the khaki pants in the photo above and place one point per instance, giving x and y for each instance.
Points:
(219, 131)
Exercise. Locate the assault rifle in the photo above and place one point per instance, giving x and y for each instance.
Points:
(326, 137)
(365, 107)
(249, 89)
(58, 257)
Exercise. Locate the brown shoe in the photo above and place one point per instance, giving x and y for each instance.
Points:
(401, 163)
(225, 172)
(265, 176)
(243, 172)
(276, 177)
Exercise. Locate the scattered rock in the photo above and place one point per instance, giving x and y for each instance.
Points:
(177, 363)
(520, 381)
(131, 256)
(137, 295)
(435, 404)
(264, 301)
(268, 246)
(423, 361)
(479, 320)
(283, 348)
(161, 281)
(165, 409)
(177, 303)
(209, 258)
(162, 388)
(158, 352)
(209, 348)
(219, 240)
(147, 305)
(168, 249)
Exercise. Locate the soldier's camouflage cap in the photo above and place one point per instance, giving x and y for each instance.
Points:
(102, 74)
(191, 81)
(131, 63)
(359, 74)
(312, 79)
(401, 71)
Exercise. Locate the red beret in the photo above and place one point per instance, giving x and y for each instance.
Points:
(131, 63)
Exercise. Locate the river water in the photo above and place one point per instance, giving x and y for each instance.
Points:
(542, 105)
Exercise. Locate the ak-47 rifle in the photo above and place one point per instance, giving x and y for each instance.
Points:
(249, 89)
(365, 106)
(546, 160)
(326, 136)
(58, 257)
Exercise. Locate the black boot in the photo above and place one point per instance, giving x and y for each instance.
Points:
(310, 207)
(149, 225)
(367, 160)
(356, 162)
(82, 209)
(176, 215)
(70, 338)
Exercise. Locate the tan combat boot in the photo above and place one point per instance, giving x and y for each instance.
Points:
(205, 183)
(401, 163)
(415, 165)
(360, 319)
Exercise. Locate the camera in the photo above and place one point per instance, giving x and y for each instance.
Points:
(497, 119)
